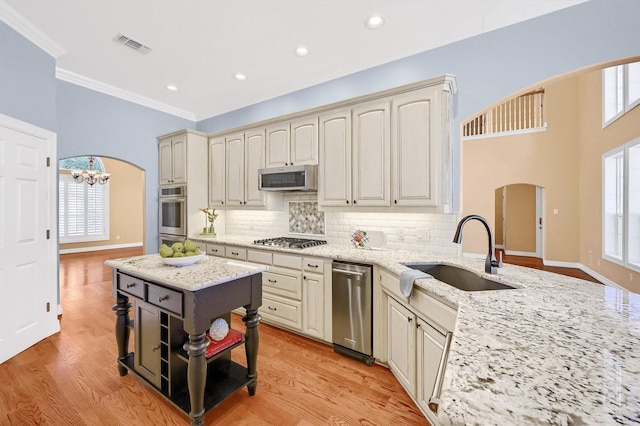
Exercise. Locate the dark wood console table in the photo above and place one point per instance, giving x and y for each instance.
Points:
(173, 310)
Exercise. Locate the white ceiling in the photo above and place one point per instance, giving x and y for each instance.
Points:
(198, 45)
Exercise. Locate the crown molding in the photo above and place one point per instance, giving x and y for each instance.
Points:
(107, 89)
(25, 28)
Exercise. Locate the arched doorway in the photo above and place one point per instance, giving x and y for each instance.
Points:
(126, 207)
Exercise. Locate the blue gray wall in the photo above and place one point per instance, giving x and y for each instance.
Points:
(488, 68)
(93, 123)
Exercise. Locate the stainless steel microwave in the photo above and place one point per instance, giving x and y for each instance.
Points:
(289, 178)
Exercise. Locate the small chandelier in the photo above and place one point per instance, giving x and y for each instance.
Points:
(90, 176)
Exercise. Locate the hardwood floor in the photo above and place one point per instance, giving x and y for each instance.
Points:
(71, 378)
(536, 263)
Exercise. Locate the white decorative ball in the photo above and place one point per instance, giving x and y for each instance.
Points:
(219, 329)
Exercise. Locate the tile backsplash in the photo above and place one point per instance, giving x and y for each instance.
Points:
(428, 232)
(304, 218)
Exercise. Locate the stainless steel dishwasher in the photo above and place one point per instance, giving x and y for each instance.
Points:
(352, 305)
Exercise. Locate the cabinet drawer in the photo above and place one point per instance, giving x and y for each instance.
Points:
(284, 282)
(280, 311)
(133, 286)
(258, 256)
(312, 264)
(287, 261)
(202, 246)
(215, 249)
(165, 298)
(236, 253)
(441, 315)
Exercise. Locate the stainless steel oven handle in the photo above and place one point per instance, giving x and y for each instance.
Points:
(434, 401)
(344, 271)
(173, 200)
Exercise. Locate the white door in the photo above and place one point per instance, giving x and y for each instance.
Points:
(28, 236)
(540, 222)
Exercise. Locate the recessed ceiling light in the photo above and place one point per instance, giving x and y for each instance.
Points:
(172, 87)
(240, 76)
(374, 22)
(302, 51)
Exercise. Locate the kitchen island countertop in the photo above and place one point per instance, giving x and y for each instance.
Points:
(555, 350)
(206, 272)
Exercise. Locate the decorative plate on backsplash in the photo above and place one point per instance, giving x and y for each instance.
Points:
(373, 240)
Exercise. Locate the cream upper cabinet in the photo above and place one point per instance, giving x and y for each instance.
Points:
(173, 160)
(334, 170)
(416, 148)
(244, 157)
(292, 143)
(304, 141)
(216, 172)
(370, 169)
(277, 145)
(234, 161)
(355, 161)
(253, 161)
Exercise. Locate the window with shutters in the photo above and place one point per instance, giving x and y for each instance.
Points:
(83, 210)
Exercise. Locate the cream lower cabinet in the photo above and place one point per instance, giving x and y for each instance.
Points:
(416, 331)
(313, 297)
(402, 345)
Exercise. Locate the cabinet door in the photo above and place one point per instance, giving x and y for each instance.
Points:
(334, 171)
(371, 154)
(179, 151)
(165, 162)
(430, 347)
(277, 145)
(147, 342)
(402, 345)
(304, 141)
(235, 170)
(414, 176)
(313, 305)
(254, 160)
(216, 172)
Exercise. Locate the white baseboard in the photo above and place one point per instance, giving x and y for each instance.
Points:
(561, 264)
(602, 279)
(520, 253)
(98, 248)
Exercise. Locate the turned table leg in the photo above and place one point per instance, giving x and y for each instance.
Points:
(251, 320)
(197, 375)
(121, 309)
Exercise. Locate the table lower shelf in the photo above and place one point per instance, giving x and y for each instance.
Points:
(224, 377)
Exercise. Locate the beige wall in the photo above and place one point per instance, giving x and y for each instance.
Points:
(595, 141)
(546, 159)
(520, 218)
(566, 161)
(126, 206)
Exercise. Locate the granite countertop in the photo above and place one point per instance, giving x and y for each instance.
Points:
(555, 350)
(206, 272)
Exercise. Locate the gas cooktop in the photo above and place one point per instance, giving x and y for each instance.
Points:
(288, 242)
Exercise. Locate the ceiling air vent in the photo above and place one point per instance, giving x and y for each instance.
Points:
(135, 45)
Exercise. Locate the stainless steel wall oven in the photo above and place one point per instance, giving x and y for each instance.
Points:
(172, 203)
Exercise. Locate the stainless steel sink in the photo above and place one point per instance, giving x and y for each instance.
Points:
(458, 277)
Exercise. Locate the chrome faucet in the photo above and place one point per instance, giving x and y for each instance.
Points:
(491, 265)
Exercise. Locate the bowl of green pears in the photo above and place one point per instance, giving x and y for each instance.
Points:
(180, 254)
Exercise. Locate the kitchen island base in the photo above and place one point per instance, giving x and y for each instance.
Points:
(170, 346)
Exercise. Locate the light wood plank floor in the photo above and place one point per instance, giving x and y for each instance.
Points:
(71, 378)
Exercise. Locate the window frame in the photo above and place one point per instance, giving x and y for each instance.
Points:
(64, 182)
(621, 90)
(624, 245)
